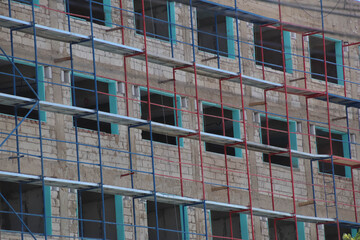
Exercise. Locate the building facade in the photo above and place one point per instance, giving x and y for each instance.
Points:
(151, 119)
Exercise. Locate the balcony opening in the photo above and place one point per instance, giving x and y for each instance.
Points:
(168, 218)
(162, 111)
(85, 97)
(91, 226)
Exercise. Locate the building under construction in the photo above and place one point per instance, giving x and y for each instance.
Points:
(185, 119)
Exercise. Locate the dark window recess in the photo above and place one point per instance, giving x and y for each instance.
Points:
(161, 111)
(317, 59)
(285, 230)
(90, 204)
(277, 138)
(323, 147)
(85, 97)
(331, 232)
(22, 88)
(31, 205)
(212, 33)
(81, 9)
(29, 2)
(168, 218)
(272, 49)
(220, 225)
(213, 124)
(156, 18)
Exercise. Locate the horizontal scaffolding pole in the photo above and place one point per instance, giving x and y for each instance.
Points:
(170, 130)
(161, 197)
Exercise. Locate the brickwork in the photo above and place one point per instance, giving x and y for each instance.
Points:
(61, 141)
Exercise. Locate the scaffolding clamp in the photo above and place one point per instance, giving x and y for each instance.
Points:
(256, 104)
(210, 58)
(114, 29)
(58, 60)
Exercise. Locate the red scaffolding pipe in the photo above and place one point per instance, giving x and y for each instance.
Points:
(225, 147)
(178, 138)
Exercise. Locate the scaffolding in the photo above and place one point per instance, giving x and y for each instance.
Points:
(323, 195)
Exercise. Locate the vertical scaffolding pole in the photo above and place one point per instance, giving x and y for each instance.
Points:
(122, 22)
(262, 53)
(335, 198)
(287, 120)
(154, 182)
(16, 121)
(73, 95)
(197, 103)
(124, 61)
(306, 100)
(354, 194)
(45, 217)
(343, 65)
(313, 186)
(244, 126)
(198, 117)
(269, 155)
(103, 216)
(172, 25)
(328, 116)
(225, 147)
(178, 138)
(199, 132)
(247, 159)
(149, 117)
(217, 41)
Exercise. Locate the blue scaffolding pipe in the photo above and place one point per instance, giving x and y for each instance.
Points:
(219, 10)
(17, 215)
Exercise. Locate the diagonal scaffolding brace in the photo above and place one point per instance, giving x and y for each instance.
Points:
(19, 124)
(17, 215)
(21, 75)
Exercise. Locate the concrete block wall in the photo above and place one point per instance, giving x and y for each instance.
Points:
(166, 157)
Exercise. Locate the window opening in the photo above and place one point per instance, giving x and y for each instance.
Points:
(22, 88)
(272, 47)
(285, 230)
(212, 32)
(168, 218)
(156, 18)
(278, 137)
(220, 225)
(85, 97)
(332, 234)
(28, 2)
(90, 204)
(82, 10)
(161, 111)
(31, 205)
(213, 124)
(317, 59)
(323, 147)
